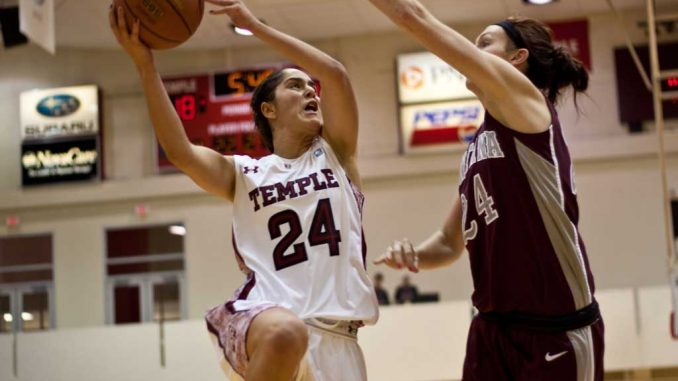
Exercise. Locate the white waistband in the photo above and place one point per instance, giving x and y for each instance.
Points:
(345, 328)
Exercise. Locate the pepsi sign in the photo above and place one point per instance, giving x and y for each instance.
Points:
(434, 126)
(58, 105)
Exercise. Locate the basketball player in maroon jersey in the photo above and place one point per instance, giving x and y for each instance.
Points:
(517, 210)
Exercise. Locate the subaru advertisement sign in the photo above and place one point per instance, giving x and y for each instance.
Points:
(60, 112)
(60, 135)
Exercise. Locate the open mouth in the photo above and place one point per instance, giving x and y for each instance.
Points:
(311, 106)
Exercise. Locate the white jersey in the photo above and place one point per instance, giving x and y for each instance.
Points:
(297, 228)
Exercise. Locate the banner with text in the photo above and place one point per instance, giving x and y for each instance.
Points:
(60, 135)
(437, 112)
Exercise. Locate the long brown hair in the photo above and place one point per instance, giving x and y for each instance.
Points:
(265, 92)
(550, 68)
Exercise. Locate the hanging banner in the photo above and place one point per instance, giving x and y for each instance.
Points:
(36, 21)
(573, 36)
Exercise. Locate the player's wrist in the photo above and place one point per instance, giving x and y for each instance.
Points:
(145, 66)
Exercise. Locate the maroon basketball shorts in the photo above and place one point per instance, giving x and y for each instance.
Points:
(503, 352)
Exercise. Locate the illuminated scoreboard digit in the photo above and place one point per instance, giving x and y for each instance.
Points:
(188, 106)
(214, 110)
(240, 82)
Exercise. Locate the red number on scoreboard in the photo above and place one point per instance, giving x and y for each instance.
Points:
(185, 106)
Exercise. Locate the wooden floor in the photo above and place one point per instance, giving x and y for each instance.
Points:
(658, 374)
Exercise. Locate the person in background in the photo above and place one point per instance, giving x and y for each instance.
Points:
(406, 292)
(382, 294)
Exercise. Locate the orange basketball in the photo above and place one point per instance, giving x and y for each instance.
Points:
(164, 24)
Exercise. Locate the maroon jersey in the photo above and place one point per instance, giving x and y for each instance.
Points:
(519, 222)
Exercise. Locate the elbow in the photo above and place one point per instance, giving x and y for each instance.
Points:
(337, 71)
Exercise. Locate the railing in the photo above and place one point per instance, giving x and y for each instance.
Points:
(410, 343)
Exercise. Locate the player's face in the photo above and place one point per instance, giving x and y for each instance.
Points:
(297, 102)
(495, 41)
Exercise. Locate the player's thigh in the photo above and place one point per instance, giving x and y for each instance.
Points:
(484, 359)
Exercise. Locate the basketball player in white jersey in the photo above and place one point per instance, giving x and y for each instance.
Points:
(297, 214)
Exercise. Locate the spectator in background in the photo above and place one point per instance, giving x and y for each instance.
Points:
(406, 292)
(382, 294)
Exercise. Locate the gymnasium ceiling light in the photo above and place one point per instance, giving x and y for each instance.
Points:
(241, 31)
(538, 2)
(177, 230)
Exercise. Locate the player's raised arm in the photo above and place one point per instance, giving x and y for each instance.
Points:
(489, 67)
(210, 170)
(338, 102)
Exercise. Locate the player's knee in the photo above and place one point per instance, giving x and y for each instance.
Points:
(287, 337)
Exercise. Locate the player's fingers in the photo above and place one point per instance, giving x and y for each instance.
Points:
(398, 254)
(406, 253)
(385, 258)
(122, 23)
(227, 9)
(135, 30)
(220, 2)
(410, 257)
(382, 259)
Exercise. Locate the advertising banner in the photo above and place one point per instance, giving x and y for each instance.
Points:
(437, 112)
(431, 127)
(423, 77)
(45, 162)
(60, 135)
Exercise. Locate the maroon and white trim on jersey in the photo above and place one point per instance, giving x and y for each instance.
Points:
(520, 217)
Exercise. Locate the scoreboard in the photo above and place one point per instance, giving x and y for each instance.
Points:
(214, 110)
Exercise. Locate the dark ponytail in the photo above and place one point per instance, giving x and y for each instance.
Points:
(568, 71)
(265, 92)
(550, 68)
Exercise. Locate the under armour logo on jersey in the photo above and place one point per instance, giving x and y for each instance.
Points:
(288, 166)
(318, 152)
(247, 170)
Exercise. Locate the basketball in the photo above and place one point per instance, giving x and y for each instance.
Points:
(164, 24)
